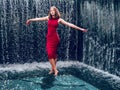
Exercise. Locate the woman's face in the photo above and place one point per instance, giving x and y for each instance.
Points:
(52, 11)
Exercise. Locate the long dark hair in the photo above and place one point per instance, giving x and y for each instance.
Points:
(57, 13)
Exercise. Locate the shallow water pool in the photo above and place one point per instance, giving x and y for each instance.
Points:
(72, 76)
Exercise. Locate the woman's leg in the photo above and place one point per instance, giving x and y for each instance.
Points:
(54, 69)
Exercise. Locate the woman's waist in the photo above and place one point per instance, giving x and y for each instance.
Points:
(52, 34)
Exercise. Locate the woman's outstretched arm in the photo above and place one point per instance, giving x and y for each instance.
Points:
(36, 19)
(71, 25)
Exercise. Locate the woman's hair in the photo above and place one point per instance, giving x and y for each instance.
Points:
(57, 13)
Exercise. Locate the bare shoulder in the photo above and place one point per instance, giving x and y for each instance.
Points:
(60, 20)
(47, 18)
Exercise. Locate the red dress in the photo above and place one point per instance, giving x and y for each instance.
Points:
(52, 38)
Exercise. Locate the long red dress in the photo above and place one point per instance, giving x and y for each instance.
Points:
(52, 38)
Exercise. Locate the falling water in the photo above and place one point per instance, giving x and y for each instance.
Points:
(20, 43)
(101, 43)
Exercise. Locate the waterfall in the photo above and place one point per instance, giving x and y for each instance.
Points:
(20, 43)
(101, 43)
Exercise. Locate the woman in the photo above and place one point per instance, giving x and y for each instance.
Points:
(53, 40)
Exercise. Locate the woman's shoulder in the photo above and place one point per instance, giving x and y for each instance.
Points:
(44, 18)
(60, 19)
(47, 17)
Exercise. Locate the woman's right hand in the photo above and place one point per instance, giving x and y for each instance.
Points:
(28, 22)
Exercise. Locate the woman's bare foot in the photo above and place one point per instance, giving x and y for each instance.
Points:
(56, 73)
(51, 71)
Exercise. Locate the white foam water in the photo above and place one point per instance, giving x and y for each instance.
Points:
(46, 65)
(32, 66)
(95, 70)
(24, 67)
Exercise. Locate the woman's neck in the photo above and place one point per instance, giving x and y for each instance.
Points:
(53, 16)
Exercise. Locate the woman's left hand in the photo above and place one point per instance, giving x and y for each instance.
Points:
(84, 30)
